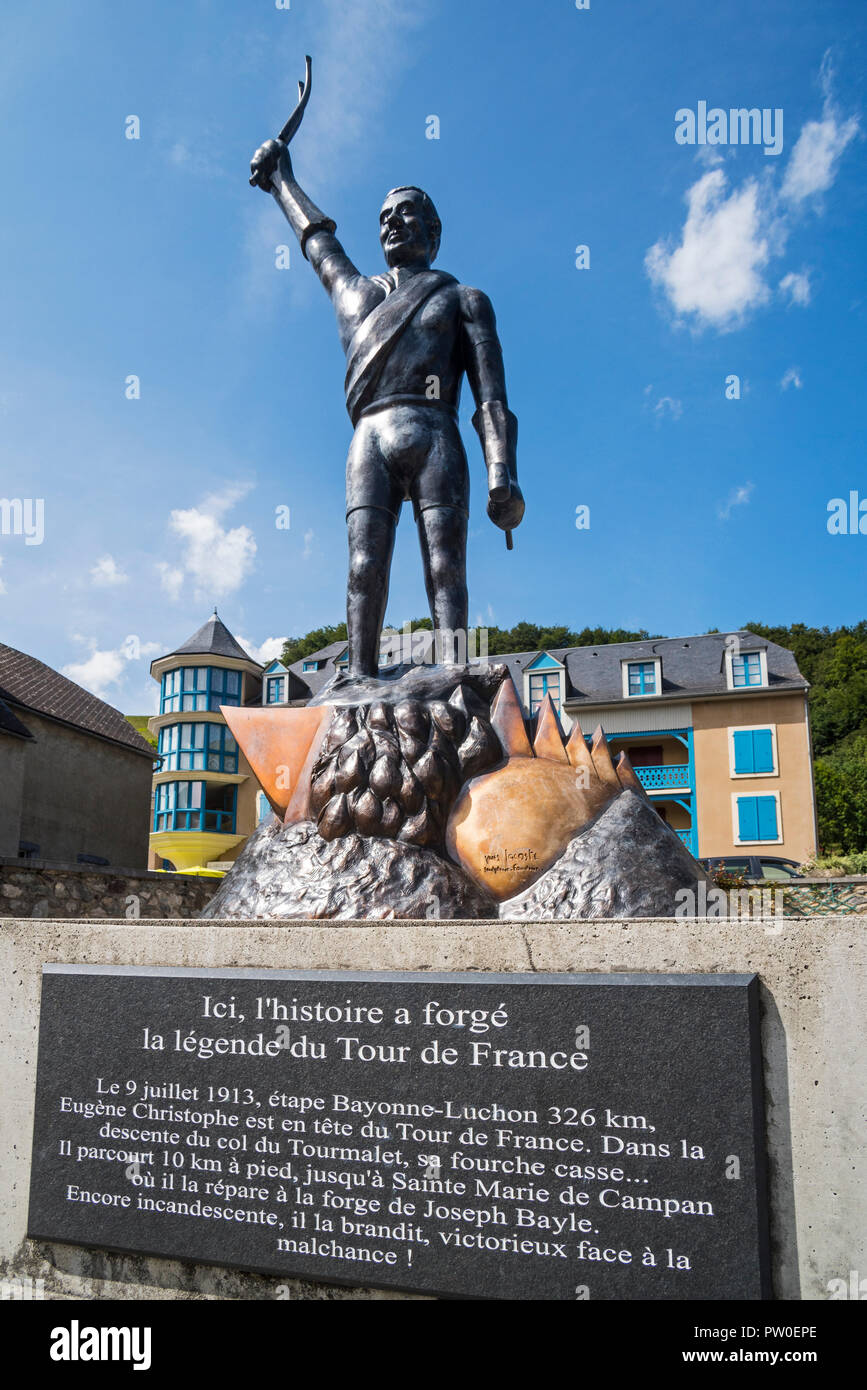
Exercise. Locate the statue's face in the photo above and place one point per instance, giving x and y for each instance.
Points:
(403, 230)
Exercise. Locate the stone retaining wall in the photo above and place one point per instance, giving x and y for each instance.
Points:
(34, 888)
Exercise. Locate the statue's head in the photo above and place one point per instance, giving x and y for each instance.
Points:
(409, 227)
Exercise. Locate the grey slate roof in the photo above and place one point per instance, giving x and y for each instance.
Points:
(28, 684)
(314, 680)
(212, 639)
(691, 667)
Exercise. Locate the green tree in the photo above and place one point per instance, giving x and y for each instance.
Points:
(298, 647)
(835, 664)
(841, 795)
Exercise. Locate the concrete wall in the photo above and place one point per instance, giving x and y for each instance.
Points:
(711, 721)
(813, 1002)
(83, 795)
(33, 889)
(12, 752)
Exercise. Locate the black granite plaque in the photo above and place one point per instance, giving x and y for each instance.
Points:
(494, 1136)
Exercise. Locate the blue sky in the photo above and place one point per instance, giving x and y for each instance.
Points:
(153, 257)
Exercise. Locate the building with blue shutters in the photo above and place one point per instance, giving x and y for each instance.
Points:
(716, 727)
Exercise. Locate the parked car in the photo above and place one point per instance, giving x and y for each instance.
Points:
(755, 866)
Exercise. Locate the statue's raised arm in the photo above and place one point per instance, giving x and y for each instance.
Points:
(271, 170)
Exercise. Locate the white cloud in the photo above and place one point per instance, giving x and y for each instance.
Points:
(268, 651)
(813, 164)
(812, 167)
(668, 405)
(714, 275)
(791, 378)
(100, 671)
(738, 497)
(308, 545)
(171, 579)
(797, 287)
(103, 669)
(216, 559)
(106, 573)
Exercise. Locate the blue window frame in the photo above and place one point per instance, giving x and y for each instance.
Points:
(191, 688)
(194, 747)
(542, 684)
(747, 669)
(274, 690)
(311, 666)
(195, 806)
(757, 819)
(754, 751)
(641, 677)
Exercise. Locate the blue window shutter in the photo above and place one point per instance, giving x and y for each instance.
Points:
(767, 817)
(748, 823)
(744, 761)
(763, 750)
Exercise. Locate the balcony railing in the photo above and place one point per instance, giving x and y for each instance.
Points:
(675, 777)
(686, 836)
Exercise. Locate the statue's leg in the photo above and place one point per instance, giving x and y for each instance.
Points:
(443, 536)
(440, 496)
(373, 503)
(371, 542)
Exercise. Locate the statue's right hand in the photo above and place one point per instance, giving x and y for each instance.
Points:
(265, 161)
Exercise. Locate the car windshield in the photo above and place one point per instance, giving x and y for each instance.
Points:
(771, 870)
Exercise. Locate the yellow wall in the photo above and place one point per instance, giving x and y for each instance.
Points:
(714, 783)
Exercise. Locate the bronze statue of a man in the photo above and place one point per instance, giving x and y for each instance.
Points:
(409, 336)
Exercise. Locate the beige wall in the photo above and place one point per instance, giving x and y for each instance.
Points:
(714, 783)
(83, 795)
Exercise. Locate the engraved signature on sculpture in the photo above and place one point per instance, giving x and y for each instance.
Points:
(504, 861)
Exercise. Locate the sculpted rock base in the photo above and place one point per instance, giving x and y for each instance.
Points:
(627, 863)
(294, 873)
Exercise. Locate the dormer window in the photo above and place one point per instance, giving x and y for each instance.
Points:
(544, 676)
(641, 678)
(746, 670)
(311, 666)
(275, 690)
(342, 661)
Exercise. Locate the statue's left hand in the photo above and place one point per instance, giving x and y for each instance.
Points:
(265, 160)
(507, 514)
